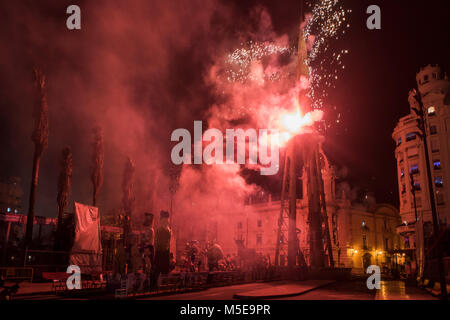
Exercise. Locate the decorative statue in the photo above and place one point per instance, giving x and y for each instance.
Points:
(214, 254)
(162, 245)
(148, 243)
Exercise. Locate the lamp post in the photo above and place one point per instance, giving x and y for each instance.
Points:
(421, 123)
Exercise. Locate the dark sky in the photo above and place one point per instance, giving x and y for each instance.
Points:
(161, 48)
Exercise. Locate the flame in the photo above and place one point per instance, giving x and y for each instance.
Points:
(294, 123)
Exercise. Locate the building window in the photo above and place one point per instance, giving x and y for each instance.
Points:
(431, 111)
(259, 223)
(402, 173)
(363, 224)
(8, 210)
(259, 239)
(386, 244)
(403, 189)
(406, 239)
(440, 198)
(437, 165)
(364, 242)
(414, 169)
(438, 182)
(239, 225)
(433, 130)
(418, 202)
(16, 211)
(416, 185)
(434, 146)
(399, 141)
(425, 79)
(411, 136)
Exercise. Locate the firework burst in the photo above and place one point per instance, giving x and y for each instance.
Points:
(244, 64)
(328, 22)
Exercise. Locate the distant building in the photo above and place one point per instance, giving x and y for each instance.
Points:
(361, 235)
(10, 195)
(434, 86)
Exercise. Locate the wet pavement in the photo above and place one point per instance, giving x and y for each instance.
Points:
(397, 290)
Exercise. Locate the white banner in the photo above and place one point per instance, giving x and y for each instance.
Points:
(87, 248)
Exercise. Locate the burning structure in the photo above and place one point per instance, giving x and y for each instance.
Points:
(328, 229)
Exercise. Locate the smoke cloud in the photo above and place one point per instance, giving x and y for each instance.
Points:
(140, 69)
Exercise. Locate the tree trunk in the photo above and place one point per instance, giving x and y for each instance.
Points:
(33, 188)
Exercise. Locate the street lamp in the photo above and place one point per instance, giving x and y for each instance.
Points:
(421, 123)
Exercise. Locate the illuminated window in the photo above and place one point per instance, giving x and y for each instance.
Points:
(16, 211)
(402, 173)
(406, 242)
(399, 141)
(414, 169)
(438, 182)
(363, 224)
(433, 130)
(431, 111)
(411, 136)
(8, 210)
(437, 165)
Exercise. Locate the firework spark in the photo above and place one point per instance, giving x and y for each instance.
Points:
(328, 22)
(244, 63)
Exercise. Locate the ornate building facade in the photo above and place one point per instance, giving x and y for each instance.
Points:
(361, 235)
(434, 87)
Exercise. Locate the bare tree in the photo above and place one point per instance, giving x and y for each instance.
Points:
(64, 183)
(40, 139)
(97, 163)
(128, 199)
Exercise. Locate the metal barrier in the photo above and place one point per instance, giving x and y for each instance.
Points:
(17, 273)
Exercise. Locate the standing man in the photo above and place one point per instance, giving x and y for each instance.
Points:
(162, 247)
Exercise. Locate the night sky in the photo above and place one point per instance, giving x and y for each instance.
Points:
(164, 55)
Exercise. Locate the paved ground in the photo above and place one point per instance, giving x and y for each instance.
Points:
(249, 291)
(397, 290)
(349, 290)
(28, 288)
(357, 290)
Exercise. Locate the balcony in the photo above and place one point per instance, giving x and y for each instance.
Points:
(406, 229)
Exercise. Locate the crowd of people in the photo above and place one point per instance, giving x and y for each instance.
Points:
(143, 261)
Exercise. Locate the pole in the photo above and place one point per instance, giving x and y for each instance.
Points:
(292, 226)
(32, 200)
(413, 191)
(421, 123)
(282, 204)
(324, 208)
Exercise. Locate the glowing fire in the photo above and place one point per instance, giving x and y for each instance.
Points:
(294, 123)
